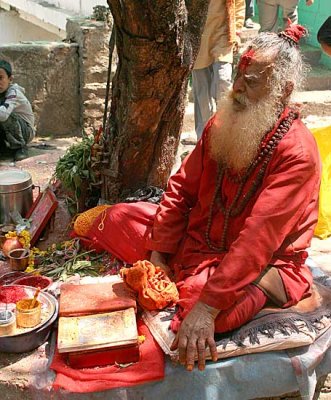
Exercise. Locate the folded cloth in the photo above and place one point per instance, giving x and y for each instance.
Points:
(149, 368)
(152, 285)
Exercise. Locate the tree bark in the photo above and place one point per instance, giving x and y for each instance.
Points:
(157, 43)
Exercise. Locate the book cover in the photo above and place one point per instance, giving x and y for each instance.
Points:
(97, 331)
(99, 358)
(94, 298)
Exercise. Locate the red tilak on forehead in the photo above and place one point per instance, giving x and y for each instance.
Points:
(246, 59)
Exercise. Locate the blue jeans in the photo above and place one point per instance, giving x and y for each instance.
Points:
(209, 85)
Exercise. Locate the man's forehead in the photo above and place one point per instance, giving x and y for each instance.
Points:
(252, 62)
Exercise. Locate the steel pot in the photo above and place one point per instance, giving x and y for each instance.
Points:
(15, 193)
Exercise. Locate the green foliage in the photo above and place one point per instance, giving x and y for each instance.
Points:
(73, 169)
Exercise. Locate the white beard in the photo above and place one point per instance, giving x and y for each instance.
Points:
(236, 135)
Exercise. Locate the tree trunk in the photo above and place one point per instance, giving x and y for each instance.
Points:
(157, 43)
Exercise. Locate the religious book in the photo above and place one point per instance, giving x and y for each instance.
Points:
(93, 298)
(113, 330)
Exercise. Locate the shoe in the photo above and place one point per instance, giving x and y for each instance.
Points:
(249, 23)
(21, 154)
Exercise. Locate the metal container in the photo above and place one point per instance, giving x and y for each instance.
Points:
(27, 317)
(15, 193)
(34, 337)
(7, 322)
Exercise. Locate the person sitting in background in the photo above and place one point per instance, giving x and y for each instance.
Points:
(324, 36)
(237, 218)
(16, 116)
(212, 71)
(268, 13)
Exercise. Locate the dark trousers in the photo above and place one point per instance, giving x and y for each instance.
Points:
(15, 132)
(249, 9)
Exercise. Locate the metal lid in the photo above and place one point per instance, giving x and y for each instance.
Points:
(13, 180)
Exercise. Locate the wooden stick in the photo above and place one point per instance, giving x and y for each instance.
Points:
(35, 297)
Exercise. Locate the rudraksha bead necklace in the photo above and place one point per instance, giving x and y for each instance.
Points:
(240, 200)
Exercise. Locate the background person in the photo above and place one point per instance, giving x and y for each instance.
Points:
(16, 116)
(324, 36)
(212, 72)
(268, 13)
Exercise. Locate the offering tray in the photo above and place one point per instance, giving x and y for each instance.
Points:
(26, 339)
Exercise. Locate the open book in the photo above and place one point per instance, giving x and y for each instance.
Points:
(111, 330)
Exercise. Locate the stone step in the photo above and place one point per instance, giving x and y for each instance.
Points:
(247, 34)
(94, 90)
(311, 54)
(319, 78)
(314, 102)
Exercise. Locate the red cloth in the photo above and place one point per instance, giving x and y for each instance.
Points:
(149, 368)
(275, 227)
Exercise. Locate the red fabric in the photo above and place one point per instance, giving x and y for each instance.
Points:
(149, 368)
(124, 234)
(294, 31)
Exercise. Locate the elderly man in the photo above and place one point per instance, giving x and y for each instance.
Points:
(238, 216)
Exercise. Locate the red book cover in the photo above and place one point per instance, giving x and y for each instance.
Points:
(94, 298)
(99, 358)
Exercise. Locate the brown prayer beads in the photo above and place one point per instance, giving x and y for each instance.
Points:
(240, 200)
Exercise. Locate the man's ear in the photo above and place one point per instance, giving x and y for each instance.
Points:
(288, 89)
(11, 78)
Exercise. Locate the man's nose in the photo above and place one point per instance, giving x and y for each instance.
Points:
(238, 85)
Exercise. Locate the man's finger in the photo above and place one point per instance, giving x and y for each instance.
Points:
(191, 351)
(182, 344)
(174, 344)
(201, 344)
(213, 348)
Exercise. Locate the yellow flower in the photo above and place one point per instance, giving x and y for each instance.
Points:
(29, 269)
(11, 234)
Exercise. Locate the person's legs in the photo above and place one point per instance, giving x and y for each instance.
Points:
(17, 133)
(290, 11)
(249, 14)
(203, 106)
(221, 79)
(122, 230)
(252, 301)
(268, 15)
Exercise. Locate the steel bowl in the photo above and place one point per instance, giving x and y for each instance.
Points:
(30, 340)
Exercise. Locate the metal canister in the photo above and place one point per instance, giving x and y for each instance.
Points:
(15, 193)
(7, 323)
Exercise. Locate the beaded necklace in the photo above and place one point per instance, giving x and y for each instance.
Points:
(240, 200)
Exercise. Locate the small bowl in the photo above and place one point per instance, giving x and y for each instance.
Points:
(34, 280)
(18, 259)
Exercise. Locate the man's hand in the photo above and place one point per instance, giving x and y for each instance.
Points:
(195, 334)
(309, 2)
(159, 260)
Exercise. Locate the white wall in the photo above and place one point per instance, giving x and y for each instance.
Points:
(15, 29)
(83, 7)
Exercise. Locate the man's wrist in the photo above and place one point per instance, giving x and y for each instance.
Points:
(211, 310)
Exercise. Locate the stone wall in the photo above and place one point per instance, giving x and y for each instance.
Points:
(92, 38)
(65, 81)
(49, 72)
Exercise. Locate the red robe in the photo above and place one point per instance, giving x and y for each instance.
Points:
(275, 227)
